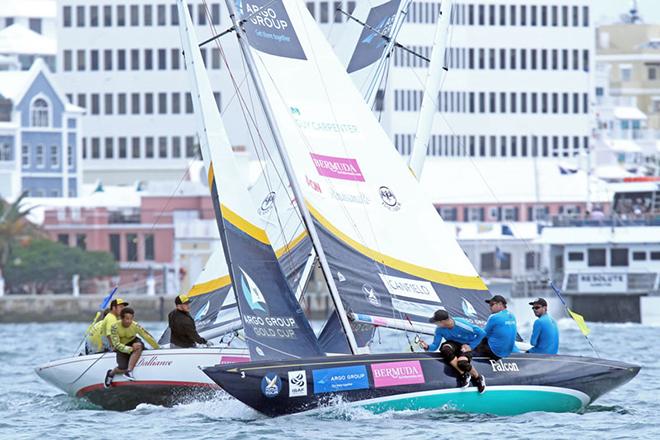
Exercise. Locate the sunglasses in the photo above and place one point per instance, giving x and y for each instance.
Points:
(536, 307)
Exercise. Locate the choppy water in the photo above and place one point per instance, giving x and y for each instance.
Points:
(30, 408)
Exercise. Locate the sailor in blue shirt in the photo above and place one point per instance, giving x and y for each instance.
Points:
(500, 330)
(460, 338)
(545, 334)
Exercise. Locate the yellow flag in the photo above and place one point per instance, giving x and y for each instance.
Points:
(579, 319)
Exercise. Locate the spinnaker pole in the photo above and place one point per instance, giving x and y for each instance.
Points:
(434, 78)
(297, 193)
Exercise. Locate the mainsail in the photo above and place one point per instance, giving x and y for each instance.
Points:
(389, 253)
(274, 324)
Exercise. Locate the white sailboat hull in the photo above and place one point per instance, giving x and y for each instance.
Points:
(162, 377)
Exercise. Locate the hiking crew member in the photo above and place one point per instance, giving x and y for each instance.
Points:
(460, 338)
(99, 338)
(124, 334)
(500, 331)
(182, 325)
(545, 334)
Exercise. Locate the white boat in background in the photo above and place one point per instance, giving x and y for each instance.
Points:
(162, 377)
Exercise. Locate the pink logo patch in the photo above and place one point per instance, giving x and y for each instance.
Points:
(337, 167)
(397, 373)
(233, 359)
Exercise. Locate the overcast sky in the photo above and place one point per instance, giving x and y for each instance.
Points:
(609, 11)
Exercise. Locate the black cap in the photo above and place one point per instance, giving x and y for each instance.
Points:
(497, 298)
(439, 315)
(540, 302)
(181, 299)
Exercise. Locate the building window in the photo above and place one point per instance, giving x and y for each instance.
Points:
(149, 247)
(174, 15)
(107, 99)
(93, 60)
(162, 19)
(149, 103)
(69, 156)
(121, 15)
(596, 258)
(201, 15)
(63, 238)
(54, 156)
(109, 148)
(532, 260)
(162, 147)
(121, 103)
(135, 15)
(94, 16)
(176, 103)
(576, 256)
(652, 73)
(190, 147)
(625, 72)
(96, 148)
(619, 257)
(66, 16)
(131, 247)
(639, 256)
(122, 144)
(115, 248)
(107, 16)
(148, 59)
(655, 255)
(135, 103)
(107, 59)
(149, 147)
(162, 59)
(80, 16)
(80, 58)
(176, 147)
(81, 241)
(324, 16)
(5, 152)
(148, 15)
(175, 60)
(135, 148)
(215, 13)
(189, 103)
(40, 112)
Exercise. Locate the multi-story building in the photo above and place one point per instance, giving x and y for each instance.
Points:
(39, 136)
(518, 86)
(631, 53)
(519, 80)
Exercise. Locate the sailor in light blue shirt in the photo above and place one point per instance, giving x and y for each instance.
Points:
(501, 330)
(460, 337)
(545, 334)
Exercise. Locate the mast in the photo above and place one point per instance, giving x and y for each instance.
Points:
(297, 193)
(434, 78)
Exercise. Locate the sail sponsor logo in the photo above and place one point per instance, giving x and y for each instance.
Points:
(341, 277)
(233, 359)
(343, 168)
(371, 42)
(358, 198)
(415, 289)
(331, 127)
(414, 308)
(330, 380)
(267, 204)
(468, 308)
(269, 28)
(370, 294)
(297, 383)
(271, 385)
(252, 294)
(152, 361)
(203, 311)
(389, 199)
(503, 366)
(397, 373)
(314, 185)
(280, 327)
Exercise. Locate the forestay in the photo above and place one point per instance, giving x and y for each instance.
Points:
(389, 251)
(274, 324)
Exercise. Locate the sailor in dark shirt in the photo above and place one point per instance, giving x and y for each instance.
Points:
(182, 326)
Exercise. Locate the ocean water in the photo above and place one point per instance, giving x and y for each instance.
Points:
(30, 408)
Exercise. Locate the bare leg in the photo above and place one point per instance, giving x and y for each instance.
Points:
(454, 363)
(135, 356)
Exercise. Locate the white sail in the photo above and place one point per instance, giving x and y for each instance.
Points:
(434, 78)
(376, 225)
(275, 326)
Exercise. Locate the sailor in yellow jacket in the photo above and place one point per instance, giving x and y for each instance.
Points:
(124, 335)
(98, 339)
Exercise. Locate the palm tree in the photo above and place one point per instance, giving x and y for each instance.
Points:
(14, 228)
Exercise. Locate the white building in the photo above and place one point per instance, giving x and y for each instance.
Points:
(27, 32)
(518, 86)
(519, 81)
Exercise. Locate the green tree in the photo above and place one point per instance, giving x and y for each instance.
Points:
(14, 228)
(45, 265)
